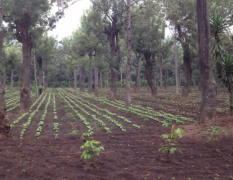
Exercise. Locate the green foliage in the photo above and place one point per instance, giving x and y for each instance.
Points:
(40, 87)
(91, 149)
(227, 70)
(170, 142)
(215, 133)
(74, 133)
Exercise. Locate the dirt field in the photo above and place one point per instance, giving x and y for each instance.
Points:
(41, 151)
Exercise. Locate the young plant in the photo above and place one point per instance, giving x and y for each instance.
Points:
(215, 133)
(171, 145)
(91, 150)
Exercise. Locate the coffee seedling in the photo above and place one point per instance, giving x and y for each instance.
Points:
(170, 142)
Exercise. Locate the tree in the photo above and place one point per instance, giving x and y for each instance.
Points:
(219, 24)
(129, 61)
(148, 32)
(2, 89)
(208, 84)
(182, 16)
(226, 76)
(113, 21)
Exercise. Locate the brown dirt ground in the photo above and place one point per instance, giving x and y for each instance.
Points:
(130, 155)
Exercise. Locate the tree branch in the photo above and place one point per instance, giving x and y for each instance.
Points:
(102, 10)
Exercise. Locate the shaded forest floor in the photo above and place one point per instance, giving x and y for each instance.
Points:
(130, 155)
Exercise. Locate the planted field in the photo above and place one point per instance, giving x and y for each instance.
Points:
(46, 139)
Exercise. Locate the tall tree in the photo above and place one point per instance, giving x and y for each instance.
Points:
(182, 16)
(129, 61)
(113, 21)
(209, 88)
(2, 89)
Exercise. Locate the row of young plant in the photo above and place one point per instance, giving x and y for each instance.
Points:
(152, 112)
(42, 119)
(83, 119)
(25, 114)
(100, 114)
(14, 93)
(27, 124)
(145, 113)
(86, 103)
(87, 113)
(16, 106)
(13, 99)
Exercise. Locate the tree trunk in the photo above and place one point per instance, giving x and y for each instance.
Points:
(231, 99)
(45, 76)
(161, 74)
(75, 78)
(101, 79)
(2, 88)
(156, 79)
(129, 61)
(96, 81)
(35, 74)
(12, 80)
(121, 75)
(4, 77)
(40, 62)
(114, 66)
(149, 71)
(107, 82)
(43, 80)
(176, 68)
(165, 79)
(199, 85)
(187, 71)
(25, 99)
(209, 87)
(90, 74)
(82, 79)
(194, 83)
(138, 72)
(168, 84)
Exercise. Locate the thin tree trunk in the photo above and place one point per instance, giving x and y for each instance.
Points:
(121, 75)
(4, 77)
(113, 40)
(231, 99)
(82, 79)
(107, 82)
(96, 81)
(194, 83)
(2, 88)
(165, 79)
(101, 80)
(209, 87)
(138, 72)
(149, 76)
(156, 79)
(161, 74)
(40, 62)
(168, 79)
(12, 80)
(45, 76)
(90, 74)
(187, 71)
(35, 74)
(176, 68)
(43, 80)
(75, 78)
(129, 61)
(199, 85)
